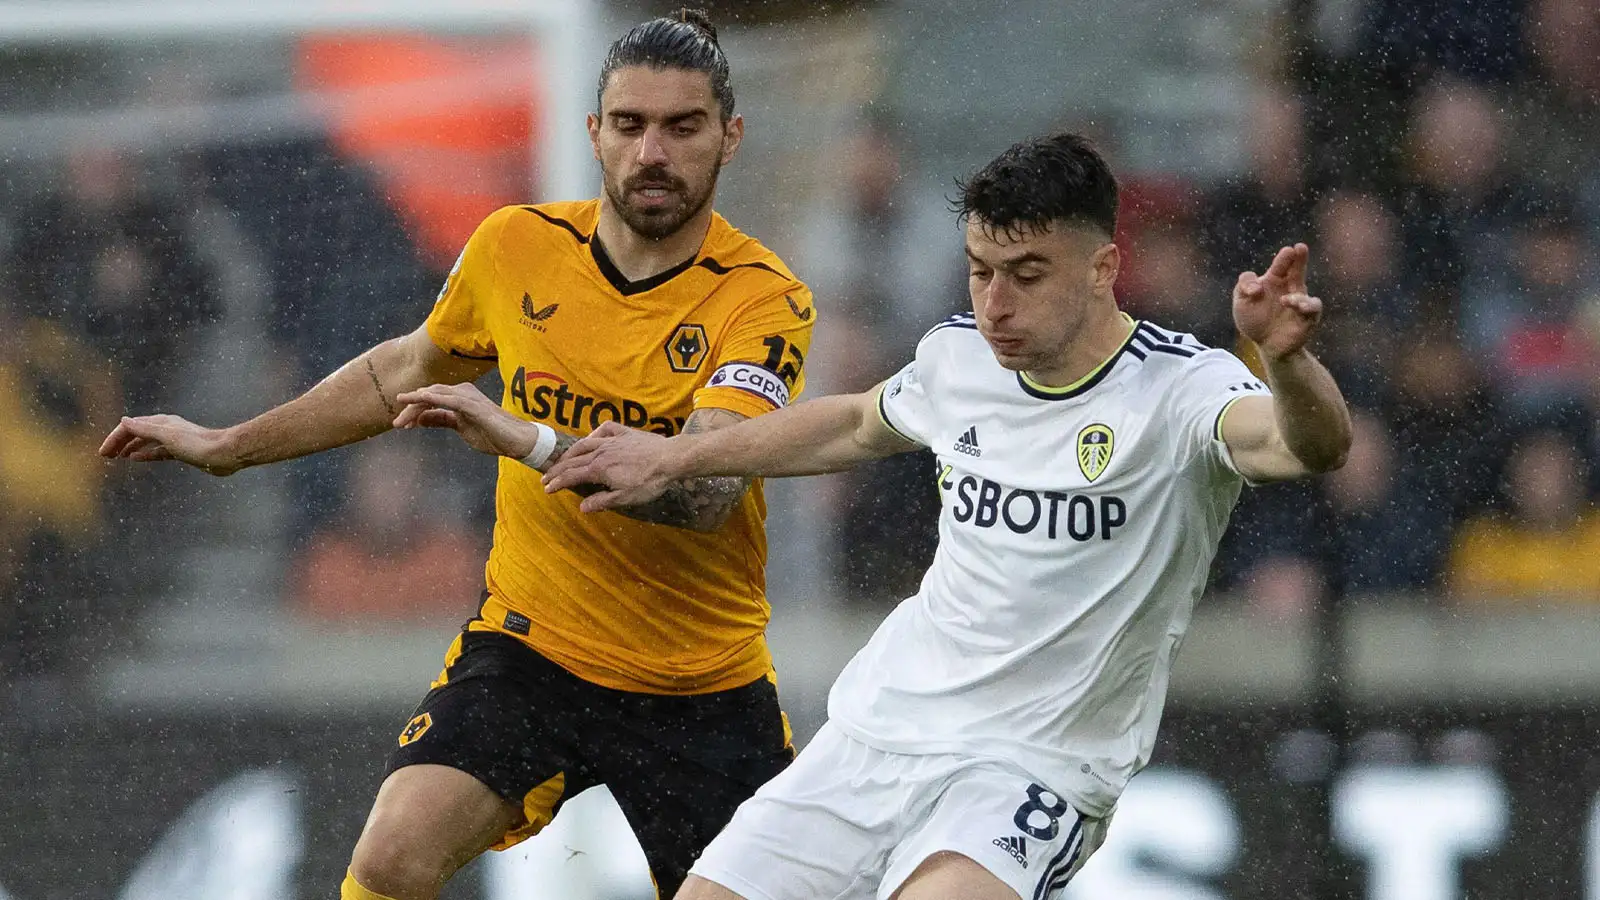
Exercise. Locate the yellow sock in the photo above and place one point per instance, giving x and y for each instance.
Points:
(352, 890)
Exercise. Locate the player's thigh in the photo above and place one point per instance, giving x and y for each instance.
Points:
(993, 818)
(428, 821)
(823, 828)
(490, 746)
(947, 875)
(679, 766)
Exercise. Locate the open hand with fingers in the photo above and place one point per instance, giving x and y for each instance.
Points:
(1273, 309)
(634, 467)
(165, 437)
(480, 421)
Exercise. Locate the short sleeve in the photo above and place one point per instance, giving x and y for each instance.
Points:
(762, 363)
(458, 323)
(1207, 388)
(904, 403)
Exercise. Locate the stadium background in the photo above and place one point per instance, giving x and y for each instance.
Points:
(1389, 693)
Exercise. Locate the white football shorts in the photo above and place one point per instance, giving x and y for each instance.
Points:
(849, 822)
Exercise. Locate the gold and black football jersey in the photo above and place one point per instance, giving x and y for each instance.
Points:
(622, 603)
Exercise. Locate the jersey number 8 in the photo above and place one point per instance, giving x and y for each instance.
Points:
(1051, 812)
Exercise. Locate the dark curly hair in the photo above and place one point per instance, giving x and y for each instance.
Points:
(1039, 182)
(684, 40)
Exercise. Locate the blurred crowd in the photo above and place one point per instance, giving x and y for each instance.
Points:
(1443, 162)
(102, 290)
(1446, 178)
(1449, 185)
(130, 282)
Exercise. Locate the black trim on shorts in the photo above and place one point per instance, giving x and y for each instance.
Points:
(1051, 879)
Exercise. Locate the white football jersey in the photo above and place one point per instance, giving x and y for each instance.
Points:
(1077, 531)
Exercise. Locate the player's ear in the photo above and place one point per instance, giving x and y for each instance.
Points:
(594, 133)
(1105, 264)
(732, 137)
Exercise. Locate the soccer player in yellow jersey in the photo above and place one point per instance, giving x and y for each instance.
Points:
(628, 649)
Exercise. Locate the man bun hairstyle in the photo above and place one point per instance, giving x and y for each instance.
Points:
(1040, 182)
(684, 40)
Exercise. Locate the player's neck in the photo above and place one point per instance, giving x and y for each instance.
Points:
(638, 257)
(1102, 336)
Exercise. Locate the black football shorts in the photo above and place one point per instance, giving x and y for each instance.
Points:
(536, 734)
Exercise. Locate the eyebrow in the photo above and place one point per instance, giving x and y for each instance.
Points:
(672, 118)
(1017, 263)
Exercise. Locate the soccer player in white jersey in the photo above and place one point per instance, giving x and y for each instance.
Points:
(1089, 462)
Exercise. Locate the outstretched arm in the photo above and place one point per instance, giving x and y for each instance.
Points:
(698, 504)
(357, 401)
(824, 435)
(1304, 427)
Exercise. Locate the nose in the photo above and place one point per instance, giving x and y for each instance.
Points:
(652, 150)
(997, 300)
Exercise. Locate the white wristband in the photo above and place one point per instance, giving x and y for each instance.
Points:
(542, 448)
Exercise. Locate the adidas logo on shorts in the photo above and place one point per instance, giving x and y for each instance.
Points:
(1016, 846)
(968, 442)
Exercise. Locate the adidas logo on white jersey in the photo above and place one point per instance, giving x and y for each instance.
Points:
(1016, 846)
(968, 442)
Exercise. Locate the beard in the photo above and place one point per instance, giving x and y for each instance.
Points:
(664, 221)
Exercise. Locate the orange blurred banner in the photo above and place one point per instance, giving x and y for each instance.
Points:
(448, 126)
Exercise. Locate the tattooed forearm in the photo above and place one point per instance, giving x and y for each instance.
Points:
(377, 385)
(698, 504)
